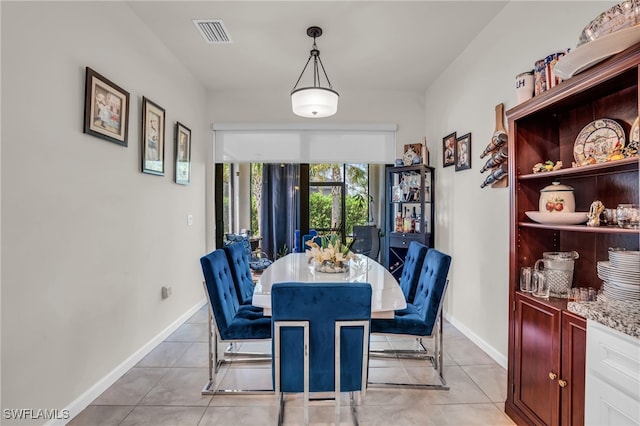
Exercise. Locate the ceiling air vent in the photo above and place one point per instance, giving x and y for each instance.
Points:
(213, 31)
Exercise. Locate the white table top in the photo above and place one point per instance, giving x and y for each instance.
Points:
(386, 297)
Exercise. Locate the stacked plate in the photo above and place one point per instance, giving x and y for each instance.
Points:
(621, 275)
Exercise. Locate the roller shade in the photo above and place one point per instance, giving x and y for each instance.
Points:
(236, 143)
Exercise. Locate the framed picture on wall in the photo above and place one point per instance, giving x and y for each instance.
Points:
(448, 150)
(463, 152)
(106, 109)
(152, 138)
(183, 154)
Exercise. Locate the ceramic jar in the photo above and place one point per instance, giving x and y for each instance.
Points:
(557, 198)
(524, 86)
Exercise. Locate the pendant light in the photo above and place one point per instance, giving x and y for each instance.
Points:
(314, 101)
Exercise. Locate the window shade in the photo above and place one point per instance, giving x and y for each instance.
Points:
(236, 143)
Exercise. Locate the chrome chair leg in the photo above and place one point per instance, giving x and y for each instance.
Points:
(421, 353)
(215, 363)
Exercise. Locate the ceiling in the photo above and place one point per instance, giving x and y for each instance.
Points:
(394, 45)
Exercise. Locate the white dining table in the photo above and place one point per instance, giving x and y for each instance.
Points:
(386, 295)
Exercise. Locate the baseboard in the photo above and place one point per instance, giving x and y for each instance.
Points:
(103, 384)
(487, 348)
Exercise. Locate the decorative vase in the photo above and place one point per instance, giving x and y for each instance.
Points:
(330, 267)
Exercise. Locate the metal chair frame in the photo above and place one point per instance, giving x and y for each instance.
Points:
(436, 358)
(278, 325)
(230, 356)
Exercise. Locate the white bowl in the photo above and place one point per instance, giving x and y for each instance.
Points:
(557, 218)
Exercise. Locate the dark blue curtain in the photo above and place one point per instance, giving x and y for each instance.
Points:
(280, 215)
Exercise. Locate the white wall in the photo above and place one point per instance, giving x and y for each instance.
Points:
(473, 223)
(88, 240)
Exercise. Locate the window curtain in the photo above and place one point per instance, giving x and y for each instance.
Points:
(280, 215)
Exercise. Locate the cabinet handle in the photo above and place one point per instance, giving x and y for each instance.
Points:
(553, 376)
(562, 383)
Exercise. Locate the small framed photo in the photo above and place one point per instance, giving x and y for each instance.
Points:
(106, 109)
(463, 152)
(448, 150)
(412, 154)
(152, 138)
(183, 154)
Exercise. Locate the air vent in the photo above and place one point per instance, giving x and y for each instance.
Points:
(213, 31)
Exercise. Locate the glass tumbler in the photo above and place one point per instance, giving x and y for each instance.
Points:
(628, 216)
(540, 285)
(525, 279)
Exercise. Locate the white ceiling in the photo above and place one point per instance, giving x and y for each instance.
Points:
(366, 44)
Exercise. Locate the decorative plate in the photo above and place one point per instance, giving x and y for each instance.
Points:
(634, 136)
(597, 140)
(557, 218)
(408, 157)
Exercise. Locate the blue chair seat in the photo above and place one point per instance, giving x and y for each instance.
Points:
(405, 321)
(247, 325)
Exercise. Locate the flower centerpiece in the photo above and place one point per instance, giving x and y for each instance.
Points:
(328, 254)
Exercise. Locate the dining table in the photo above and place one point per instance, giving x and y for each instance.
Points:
(386, 295)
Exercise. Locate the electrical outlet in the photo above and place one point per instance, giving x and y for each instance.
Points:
(166, 292)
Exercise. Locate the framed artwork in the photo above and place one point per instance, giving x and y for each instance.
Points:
(463, 152)
(106, 109)
(152, 138)
(411, 151)
(183, 154)
(448, 150)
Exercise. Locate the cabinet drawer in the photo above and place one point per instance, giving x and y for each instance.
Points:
(403, 240)
(614, 358)
(606, 405)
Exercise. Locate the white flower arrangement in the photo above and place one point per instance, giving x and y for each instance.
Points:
(330, 255)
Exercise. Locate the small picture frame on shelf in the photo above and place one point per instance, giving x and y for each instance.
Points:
(448, 150)
(463, 152)
(412, 153)
(153, 117)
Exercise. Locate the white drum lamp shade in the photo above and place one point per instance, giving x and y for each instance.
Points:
(314, 101)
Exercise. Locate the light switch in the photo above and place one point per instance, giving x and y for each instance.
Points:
(189, 219)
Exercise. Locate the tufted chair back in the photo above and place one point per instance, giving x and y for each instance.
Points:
(240, 271)
(221, 290)
(322, 304)
(411, 269)
(431, 286)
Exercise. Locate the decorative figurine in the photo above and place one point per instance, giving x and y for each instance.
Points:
(594, 213)
(547, 166)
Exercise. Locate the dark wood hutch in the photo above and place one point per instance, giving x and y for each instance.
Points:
(546, 372)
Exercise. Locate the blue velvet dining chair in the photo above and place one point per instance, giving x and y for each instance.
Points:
(320, 340)
(232, 322)
(411, 270)
(421, 318)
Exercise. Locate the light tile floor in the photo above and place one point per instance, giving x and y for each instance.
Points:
(165, 387)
